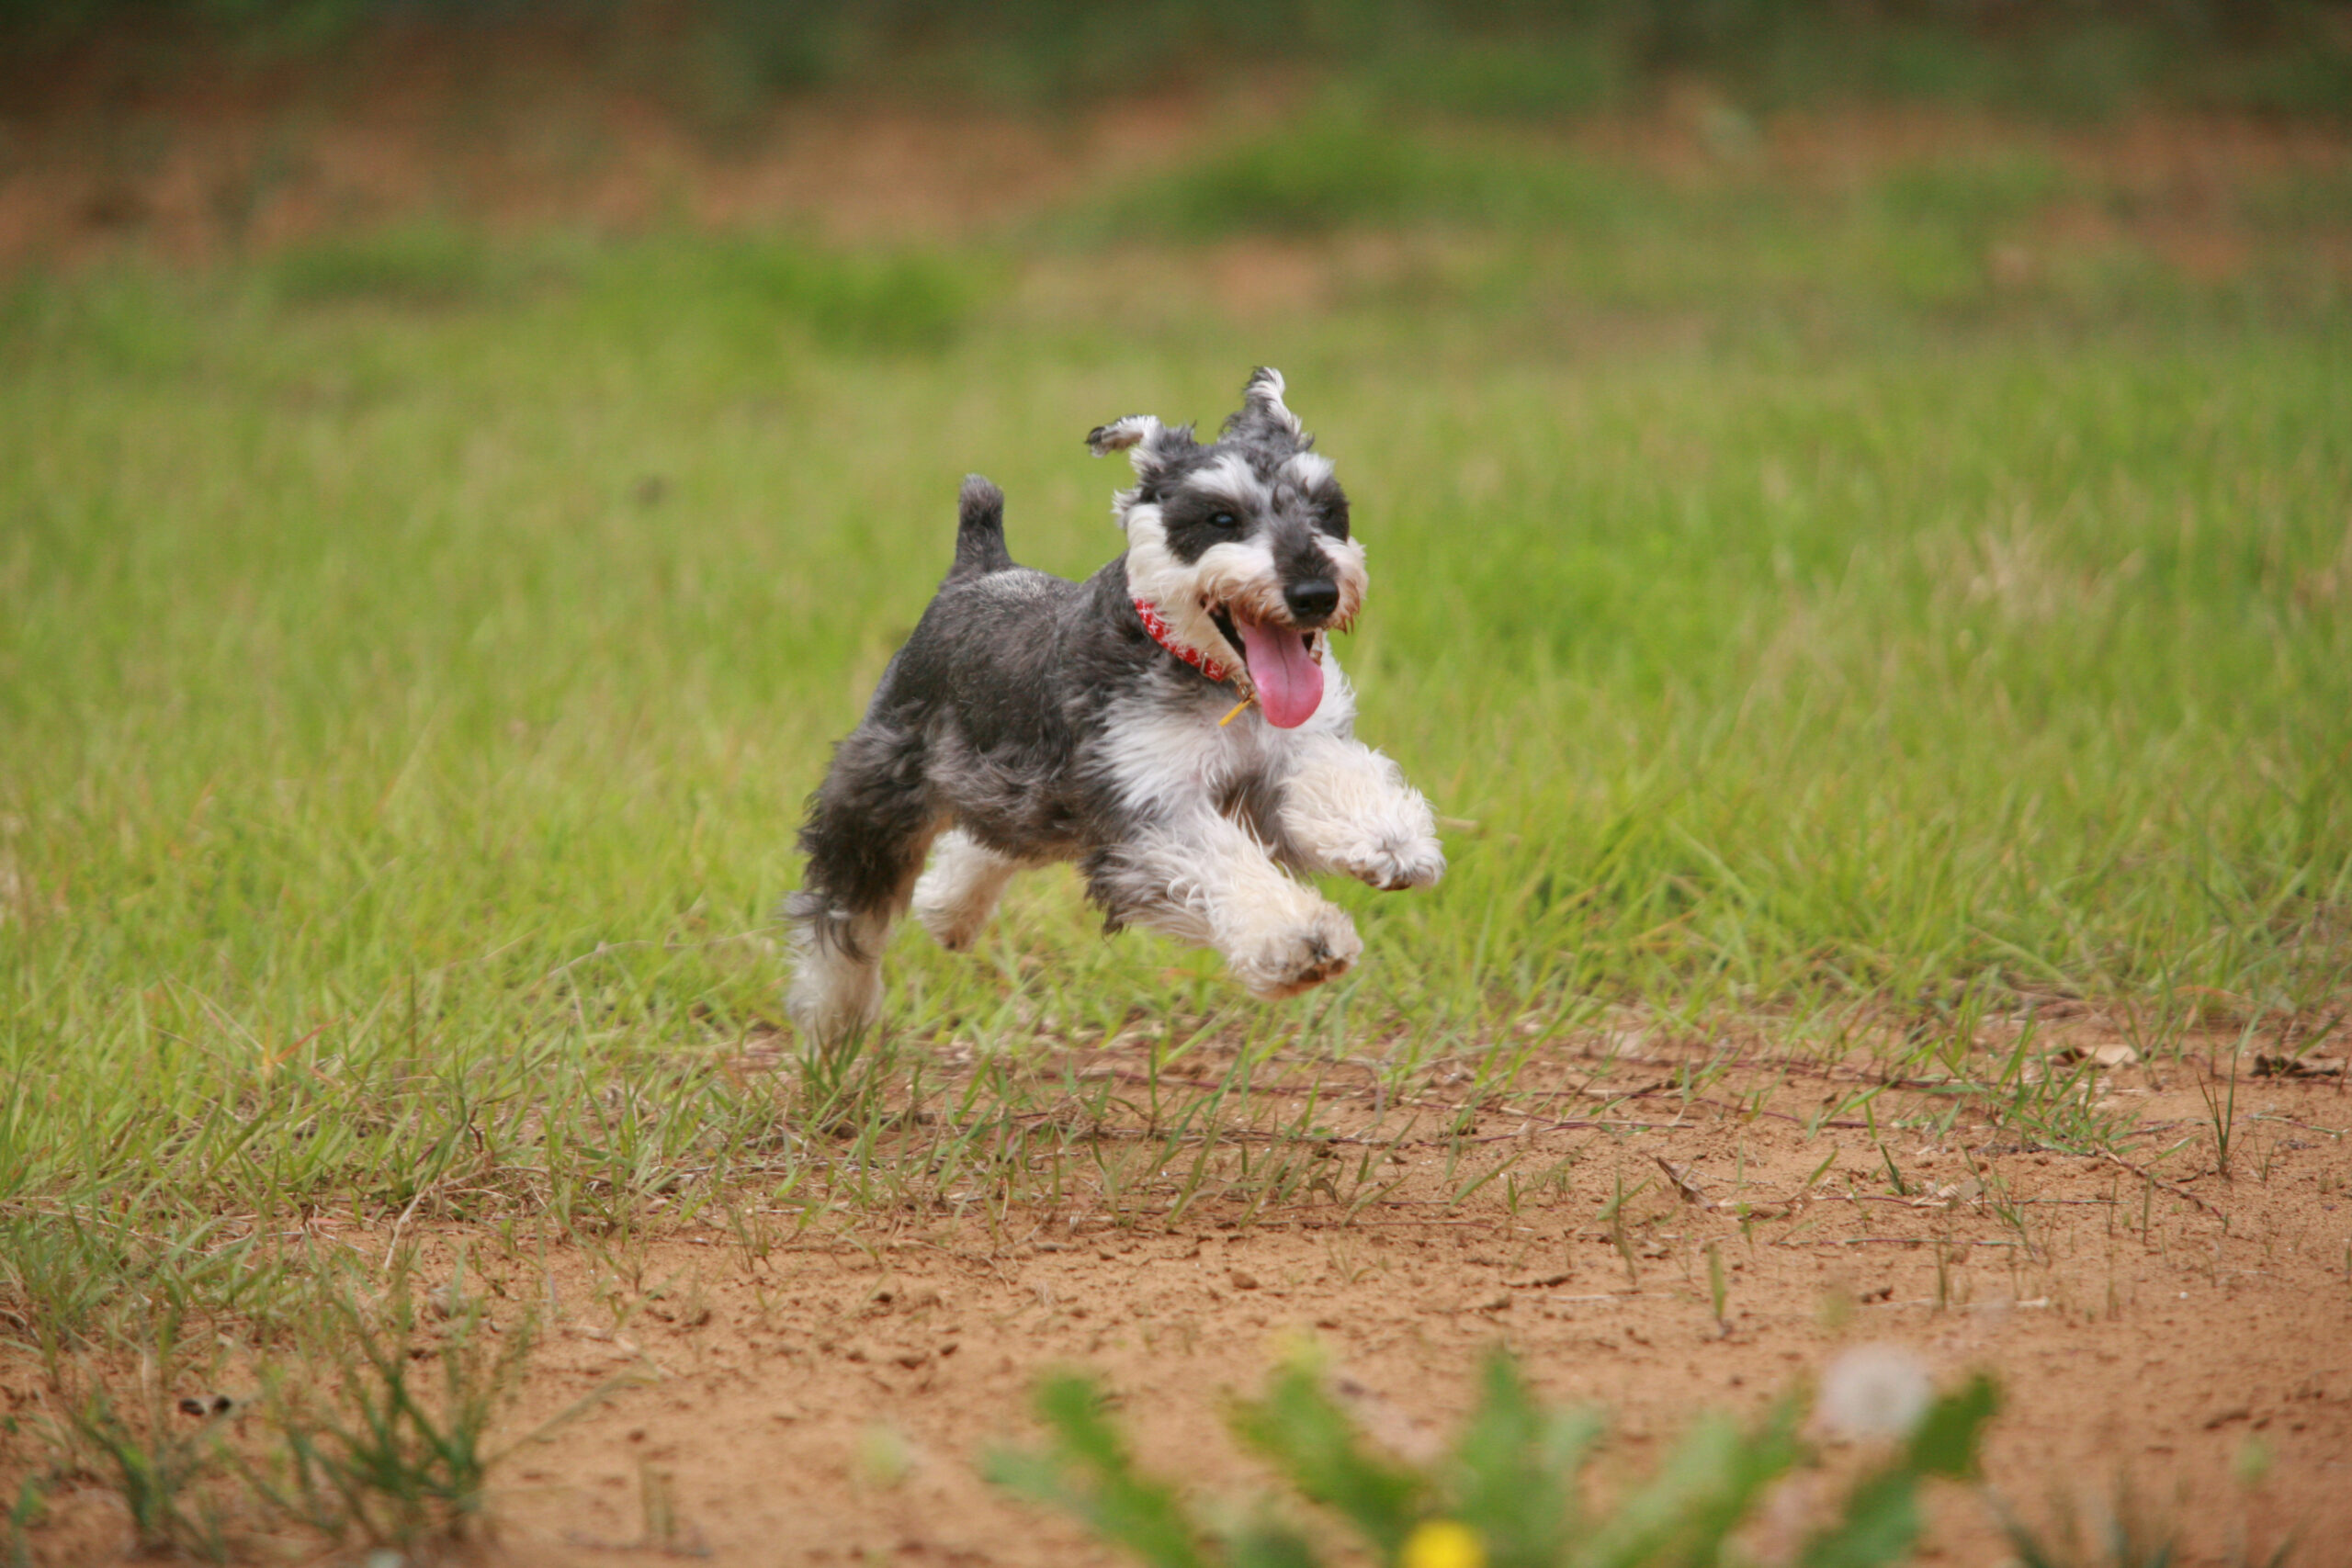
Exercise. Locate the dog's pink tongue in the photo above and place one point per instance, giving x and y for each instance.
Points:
(1289, 682)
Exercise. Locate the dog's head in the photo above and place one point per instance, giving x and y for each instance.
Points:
(1241, 545)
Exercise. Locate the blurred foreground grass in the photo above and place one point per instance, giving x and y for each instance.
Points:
(412, 652)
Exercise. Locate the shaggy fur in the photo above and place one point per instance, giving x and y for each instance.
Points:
(1030, 719)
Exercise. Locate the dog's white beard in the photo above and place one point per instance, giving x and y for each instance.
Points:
(1237, 574)
(1241, 578)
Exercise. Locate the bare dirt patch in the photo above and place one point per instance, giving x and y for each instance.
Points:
(813, 1384)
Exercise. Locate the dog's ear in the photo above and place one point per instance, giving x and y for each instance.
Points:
(1136, 430)
(1149, 445)
(1263, 416)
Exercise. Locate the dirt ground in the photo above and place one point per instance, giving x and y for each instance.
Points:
(2158, 1327)
(830, 1405)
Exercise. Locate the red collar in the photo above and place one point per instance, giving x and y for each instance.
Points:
(1165, 637)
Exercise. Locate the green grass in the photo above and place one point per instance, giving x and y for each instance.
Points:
(413, 655)
(1510, 1493)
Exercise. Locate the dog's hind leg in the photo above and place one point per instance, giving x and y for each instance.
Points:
(1206, 879)
(959, 889)
(869, 825)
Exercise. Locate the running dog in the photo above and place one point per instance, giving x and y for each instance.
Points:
(1176, 723)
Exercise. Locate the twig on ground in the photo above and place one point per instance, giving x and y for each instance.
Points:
(2149, 1176)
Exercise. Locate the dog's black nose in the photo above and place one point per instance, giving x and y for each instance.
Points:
(1311, 598)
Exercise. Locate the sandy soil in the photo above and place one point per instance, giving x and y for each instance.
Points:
(2171, 1360)
(822, 1398)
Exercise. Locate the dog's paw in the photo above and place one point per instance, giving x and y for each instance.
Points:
(953, 926)
(1393, 864)
(958, 890)
(1301, 957)
(834, 1000)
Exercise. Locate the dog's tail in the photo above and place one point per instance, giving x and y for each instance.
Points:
(979, 529)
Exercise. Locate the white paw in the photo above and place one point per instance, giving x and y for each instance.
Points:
(958, 890)
(1393, 864)
(834, 998)
(1300, 957)
(953, 926)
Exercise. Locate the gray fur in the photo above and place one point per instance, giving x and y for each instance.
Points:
(1012, 714)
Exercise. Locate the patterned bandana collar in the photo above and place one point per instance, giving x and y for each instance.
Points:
(1160, 634)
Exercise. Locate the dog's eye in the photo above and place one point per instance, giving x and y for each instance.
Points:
(1224, 520)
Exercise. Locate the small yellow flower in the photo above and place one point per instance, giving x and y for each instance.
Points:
(1443, 1543)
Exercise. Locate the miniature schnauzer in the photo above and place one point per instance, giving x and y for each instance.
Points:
(1030, 719)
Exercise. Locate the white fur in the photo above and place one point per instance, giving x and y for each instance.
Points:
(1223, 888)
(836, 991)
(837, 995)
(1310, 472)
(1232, 477)
(958, 891)
(1348, 808)
(1165, 758)
(1345, 809)
(1239, 574)
(1278, 936)
(1266, 389)
(1138, 430)
(1346, 557)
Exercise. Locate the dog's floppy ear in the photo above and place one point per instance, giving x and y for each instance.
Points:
(1136, 430)
(1148, 444)
(1263, 415)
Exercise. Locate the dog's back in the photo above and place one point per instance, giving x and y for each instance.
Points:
(972, 670)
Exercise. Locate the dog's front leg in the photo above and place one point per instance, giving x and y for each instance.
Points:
(1204, 878)
(1347, 808)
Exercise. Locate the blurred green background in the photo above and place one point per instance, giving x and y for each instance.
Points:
(1517, 58)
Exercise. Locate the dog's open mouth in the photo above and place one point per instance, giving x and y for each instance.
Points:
(1285, 665)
